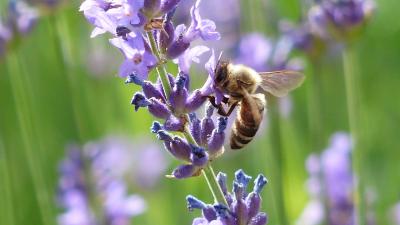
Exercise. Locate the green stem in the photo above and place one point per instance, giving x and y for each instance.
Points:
(315, 115)
(162, 72)
(213, 185)
(350, 66)
(7, 215)
(278, 160)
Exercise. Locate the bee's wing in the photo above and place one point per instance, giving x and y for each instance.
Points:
(279, 83)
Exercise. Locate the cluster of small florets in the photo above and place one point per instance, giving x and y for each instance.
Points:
(331, 182)
(243, 208)
(128, 21)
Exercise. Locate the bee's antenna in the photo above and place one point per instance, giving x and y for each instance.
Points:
(219, 60)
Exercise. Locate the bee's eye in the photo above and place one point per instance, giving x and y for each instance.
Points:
(220, 74)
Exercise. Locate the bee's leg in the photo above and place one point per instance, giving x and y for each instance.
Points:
(232, 107)
(221, 110)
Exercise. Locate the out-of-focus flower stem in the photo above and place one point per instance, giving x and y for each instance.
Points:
(28, 143)
(315, 115)
(208, 172)
(315, 120)
(278, 160)
(350, 66)
(162, 72)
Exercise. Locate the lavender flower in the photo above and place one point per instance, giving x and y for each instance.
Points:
(199, 28)
(243, 207)
(331, 179)
(95, 174)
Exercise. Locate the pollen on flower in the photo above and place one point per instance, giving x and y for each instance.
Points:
(137, 59)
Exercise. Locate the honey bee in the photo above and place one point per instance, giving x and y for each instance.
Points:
(243, 84)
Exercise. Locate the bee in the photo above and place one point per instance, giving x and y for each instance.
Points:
(243, 86)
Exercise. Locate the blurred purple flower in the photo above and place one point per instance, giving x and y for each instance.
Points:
(209, 86)
(243, 208)
(254, 51)
(106, 164)
(313, 214)
(22, 17)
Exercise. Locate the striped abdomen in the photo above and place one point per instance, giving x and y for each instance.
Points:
(248, 120)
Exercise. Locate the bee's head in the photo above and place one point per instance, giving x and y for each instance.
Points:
(221, 71)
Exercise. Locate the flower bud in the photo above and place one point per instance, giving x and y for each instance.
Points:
(240, 209)
(195, 127)
(180, 149)
(151, 91)
(155, 127)
(159, 109)
(207, 126)
(184, 171)
(195, 101)
(209, 213)
(260, 219)
(242, 178)
(164, 136)
(174, 124)
(139, 100)
(221, 178)
(194, 203)
(177, 48)
(179, 94)
(253, 202)
(199, 156)
(216, 141)
(259, 183)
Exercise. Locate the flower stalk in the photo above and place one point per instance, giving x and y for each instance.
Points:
(350, 66)
(208, 172)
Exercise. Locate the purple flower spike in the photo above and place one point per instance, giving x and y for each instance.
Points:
(254, 51)
(209, 213)
(199, 156)
(194, 203)
(23, 16)
(240, 209)
(260, 219)
(174, 124)
(180, 149)
(195, 101)
(184, 171)
(158, 109)
(179, 94)
(195, 127)
(139, 100)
